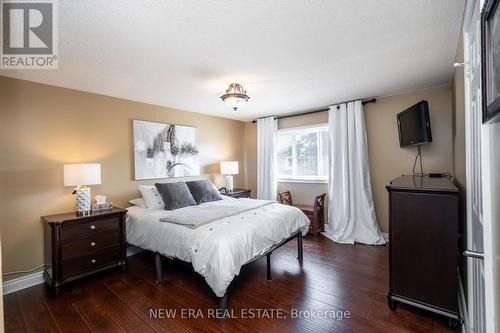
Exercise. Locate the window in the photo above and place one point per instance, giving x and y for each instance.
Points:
(303, 153)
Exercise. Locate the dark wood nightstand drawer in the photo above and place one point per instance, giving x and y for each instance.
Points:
(90, 262)
(85, 229)
(90, 244)
(80, 245)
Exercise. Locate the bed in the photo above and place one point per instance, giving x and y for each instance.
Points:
(217, 250)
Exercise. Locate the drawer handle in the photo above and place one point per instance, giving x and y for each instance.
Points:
(93, 261)
(92, 227)
(92, 243)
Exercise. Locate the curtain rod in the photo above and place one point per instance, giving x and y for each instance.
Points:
(373, 100)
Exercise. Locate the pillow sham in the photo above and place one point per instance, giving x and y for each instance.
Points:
(175, 195)
(139, 202)
(203, 191)
(151, 197)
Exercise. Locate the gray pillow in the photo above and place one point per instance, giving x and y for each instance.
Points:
(203, 191)
(175, 195)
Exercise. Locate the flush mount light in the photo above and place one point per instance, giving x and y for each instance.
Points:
(235, 96)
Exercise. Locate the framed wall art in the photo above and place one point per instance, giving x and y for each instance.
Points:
(164, 150)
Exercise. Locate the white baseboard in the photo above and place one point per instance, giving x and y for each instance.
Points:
(33, 279)
(23, 282)
(386, 236)
(462, 306)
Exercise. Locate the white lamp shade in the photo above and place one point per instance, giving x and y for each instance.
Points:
(229, 168)
(82, 174)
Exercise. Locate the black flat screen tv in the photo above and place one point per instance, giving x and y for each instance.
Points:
(414, 125)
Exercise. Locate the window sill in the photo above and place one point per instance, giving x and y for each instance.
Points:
(305, 181)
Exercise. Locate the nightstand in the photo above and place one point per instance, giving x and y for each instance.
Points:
(237, 192)
(80, 245)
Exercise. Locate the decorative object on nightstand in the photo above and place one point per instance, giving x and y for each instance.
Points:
(229, 168)
(100, 199)
(237, 192)
(80, 245)
(101, 204)
(81, 175)
(315, 213)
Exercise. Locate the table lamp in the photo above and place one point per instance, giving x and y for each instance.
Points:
(81, 175)
(229, 168)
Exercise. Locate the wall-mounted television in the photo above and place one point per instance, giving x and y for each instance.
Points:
(414, 125)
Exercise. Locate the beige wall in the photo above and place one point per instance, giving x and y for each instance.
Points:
(387, 159)
(250, 144)
(43, 127)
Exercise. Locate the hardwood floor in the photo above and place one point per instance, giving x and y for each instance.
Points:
(333, 277)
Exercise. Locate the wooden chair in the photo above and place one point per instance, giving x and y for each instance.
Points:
(286, 198)
(315, 213)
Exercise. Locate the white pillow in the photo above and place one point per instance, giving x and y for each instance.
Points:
(151, 197)
(139, 202)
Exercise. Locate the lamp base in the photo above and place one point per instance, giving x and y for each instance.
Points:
(229, 184)
(83, 203)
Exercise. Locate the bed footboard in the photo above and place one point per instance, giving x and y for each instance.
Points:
(223, 301)
(268, 258)
(158, 267)
(300, 250)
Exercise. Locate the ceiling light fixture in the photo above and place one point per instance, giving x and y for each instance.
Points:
(235, 96)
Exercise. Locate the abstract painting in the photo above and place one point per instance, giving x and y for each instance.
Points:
(164, 150)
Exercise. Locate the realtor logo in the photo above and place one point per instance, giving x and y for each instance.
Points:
(29, 34)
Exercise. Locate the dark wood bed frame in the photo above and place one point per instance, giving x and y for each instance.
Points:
(223, 301)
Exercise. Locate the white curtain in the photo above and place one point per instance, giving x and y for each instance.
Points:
(351, 211)
(267, 179)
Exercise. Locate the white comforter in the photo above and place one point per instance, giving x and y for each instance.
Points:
(217, 250)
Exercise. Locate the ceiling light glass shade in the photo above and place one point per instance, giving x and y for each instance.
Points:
(235, 96)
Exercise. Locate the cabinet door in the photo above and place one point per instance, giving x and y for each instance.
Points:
(424, 248)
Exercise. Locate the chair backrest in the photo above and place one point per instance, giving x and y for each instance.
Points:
(286, 198)
(319, 205)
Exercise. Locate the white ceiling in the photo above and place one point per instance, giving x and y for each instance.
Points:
(291, 56)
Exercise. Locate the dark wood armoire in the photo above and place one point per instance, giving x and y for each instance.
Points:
(423, 243)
